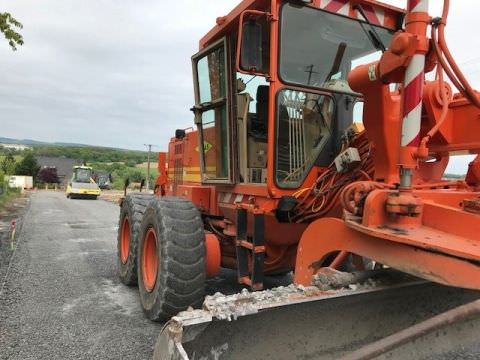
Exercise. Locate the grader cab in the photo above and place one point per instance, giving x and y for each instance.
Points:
(319, 149)
(271, 124)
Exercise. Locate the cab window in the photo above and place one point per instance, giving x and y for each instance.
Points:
(304, 129)
(211, 94)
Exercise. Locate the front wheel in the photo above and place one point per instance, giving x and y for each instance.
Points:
(171, 258)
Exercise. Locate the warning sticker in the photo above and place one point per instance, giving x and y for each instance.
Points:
(372, 73)
(206, 147)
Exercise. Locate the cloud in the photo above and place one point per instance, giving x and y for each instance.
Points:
(102, 72)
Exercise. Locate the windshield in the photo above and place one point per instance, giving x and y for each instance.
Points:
(318, 48)
(83, 175)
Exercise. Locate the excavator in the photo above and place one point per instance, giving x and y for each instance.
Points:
(323, 131)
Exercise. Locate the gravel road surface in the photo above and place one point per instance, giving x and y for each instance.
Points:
(12, 211)
(62, 298)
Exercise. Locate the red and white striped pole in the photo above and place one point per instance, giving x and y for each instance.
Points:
(413, 91)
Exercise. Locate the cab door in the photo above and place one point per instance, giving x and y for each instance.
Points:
(211, 75)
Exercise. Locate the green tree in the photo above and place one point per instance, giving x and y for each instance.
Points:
(9, 26)
(8, 164)
(135, 176)
(28, 166)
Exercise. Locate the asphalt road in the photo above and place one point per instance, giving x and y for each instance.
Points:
(62, 298)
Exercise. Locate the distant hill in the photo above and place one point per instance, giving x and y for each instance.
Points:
(4, 140)
(87, 153)
(30, 142)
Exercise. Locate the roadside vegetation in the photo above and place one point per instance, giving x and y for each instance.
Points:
(10, 195)
(9, 26)
(88, 154)
(92, 154)
(121, 171)
(27, 166)
(6, 194)
(120, 164)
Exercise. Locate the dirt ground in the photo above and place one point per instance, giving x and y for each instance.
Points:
(113, 196)
(12, 211)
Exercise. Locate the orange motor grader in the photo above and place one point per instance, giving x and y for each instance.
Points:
(319, 149)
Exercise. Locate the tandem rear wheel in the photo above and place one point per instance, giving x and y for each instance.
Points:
(131, 215)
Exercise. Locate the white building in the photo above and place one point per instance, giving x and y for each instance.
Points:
(16, 146)
(22, 182)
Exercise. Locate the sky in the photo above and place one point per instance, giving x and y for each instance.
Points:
(118, 73)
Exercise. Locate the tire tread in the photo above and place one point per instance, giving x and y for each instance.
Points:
(181, 281)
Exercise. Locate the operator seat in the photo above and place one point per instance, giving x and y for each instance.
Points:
(262, 103)
(259, 124)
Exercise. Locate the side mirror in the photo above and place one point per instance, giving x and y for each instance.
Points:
(253, 52)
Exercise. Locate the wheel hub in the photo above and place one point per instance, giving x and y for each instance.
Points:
(150, 260)
(125, 241)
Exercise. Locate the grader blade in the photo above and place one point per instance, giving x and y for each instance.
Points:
(304, 323)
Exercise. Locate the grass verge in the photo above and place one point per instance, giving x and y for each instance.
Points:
(10, 195)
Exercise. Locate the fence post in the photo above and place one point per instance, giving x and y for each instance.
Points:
(13, 227)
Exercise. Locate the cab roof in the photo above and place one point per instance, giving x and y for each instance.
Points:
(377, 12)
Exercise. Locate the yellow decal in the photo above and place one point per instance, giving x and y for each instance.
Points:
(206, 147)
(372, 72)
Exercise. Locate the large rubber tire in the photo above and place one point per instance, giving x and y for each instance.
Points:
(172, 230)
(132, 210)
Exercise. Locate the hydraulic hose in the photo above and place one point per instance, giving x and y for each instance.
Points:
(446, 63)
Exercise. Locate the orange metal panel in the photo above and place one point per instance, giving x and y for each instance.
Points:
(229, 22)
(328, 235)
(378, 12)
(473, 175)
(199, 195)
(212, 255)
(444, 228)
